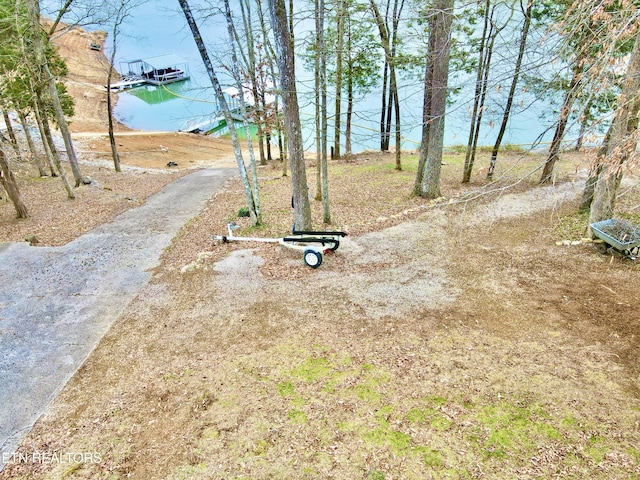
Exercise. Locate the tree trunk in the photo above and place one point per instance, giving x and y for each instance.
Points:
(245, 9)
(54, 153)
(64, 129)
(41, 59)
(565, 111)
(9, 184)
(512, 90)
(43, 137)
(384, 133)
(286, 66)
(235, 70)
(319, 17)
(388, 42)
(112, 138)
(32, 147)
(622, 143)
(323, 114)
(339, 47)
(223, 106)
(350, 63)
(347, 130)
(438, 63)
(12, 134)
(270, 56)
(470, 153)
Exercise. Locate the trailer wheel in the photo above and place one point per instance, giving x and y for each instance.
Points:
(312, 258)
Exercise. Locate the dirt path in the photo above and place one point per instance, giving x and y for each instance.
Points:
(75, 293)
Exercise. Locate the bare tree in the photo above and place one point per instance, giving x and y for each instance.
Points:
(11, 132)
(32, 147)
(514, 82)
(253, 74)
(490, 32)
(118, 17)
(270, 56)
(224, 108)
(235, 71)
(389, 42)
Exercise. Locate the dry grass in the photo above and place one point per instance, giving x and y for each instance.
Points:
(56, 220)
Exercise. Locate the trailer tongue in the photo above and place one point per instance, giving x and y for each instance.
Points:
(313, 244)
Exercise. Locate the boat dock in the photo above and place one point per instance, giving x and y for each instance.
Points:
(159, 70)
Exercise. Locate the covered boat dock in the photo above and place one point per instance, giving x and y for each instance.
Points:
(158, 70)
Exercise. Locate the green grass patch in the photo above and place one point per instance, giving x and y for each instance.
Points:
(297, 416)
(572, 226)
(312, 369)
(285, 389)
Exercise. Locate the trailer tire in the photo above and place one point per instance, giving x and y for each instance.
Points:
(312, 258)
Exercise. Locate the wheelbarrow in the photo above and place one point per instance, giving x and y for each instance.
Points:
(313, 244)
(619, 237)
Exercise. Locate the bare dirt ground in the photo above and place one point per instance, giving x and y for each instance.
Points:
(448, 340)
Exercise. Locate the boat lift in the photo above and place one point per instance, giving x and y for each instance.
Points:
(305, 241)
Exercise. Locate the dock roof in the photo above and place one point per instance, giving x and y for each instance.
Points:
(160, 61)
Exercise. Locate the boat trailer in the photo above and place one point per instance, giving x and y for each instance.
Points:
(313, 244)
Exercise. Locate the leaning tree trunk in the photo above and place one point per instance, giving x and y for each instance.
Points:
(32, 147)
(286, 66)
(235, 70)
(9, 184)
(558, 136)
(250, 60)
(223, 106)
(48, 138)
(512, 90)
(49, 80)
(270, 55)
(12, 133)
(43, 137)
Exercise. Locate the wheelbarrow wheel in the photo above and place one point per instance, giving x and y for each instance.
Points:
(312, 258)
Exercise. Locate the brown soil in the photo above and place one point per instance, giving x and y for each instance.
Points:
(452, 339)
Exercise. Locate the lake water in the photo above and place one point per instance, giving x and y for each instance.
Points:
(159, 28)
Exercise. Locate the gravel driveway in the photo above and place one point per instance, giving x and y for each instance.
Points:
(56, 303)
